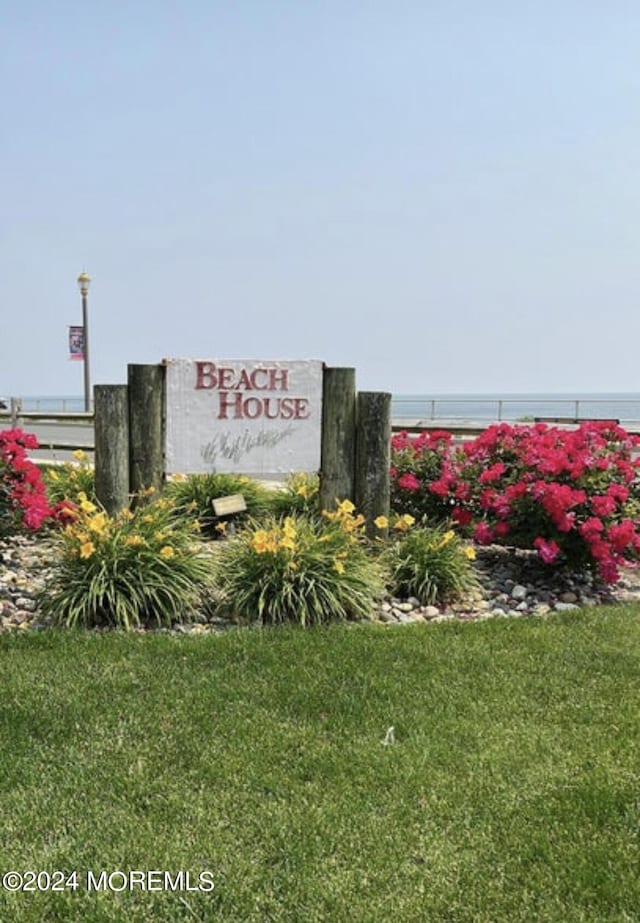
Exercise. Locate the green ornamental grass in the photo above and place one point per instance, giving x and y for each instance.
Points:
(66, 481)
(297, 570)
(431, 564)
(193, 496)
(142, 567)
(300, 494)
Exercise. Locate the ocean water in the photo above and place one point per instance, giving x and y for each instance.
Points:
(469, 408)
(487, 408)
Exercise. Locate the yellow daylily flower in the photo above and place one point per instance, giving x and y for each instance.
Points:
(87, 549)
(346, 506)
(98, 523)
(167, 552)
(87, 506)
(469, 552)
(79, 454)
(134, 541)
(381, 522)
(260, 541)
(338, 566)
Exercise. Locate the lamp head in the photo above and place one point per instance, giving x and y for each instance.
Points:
(84, 280)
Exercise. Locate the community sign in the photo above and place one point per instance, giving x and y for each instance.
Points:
(245, 416)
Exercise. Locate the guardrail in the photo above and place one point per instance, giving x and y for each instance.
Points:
(510, 409)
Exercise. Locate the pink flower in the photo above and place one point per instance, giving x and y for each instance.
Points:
(409, 482)
(493, 473)
(461, 516)
(440, 487)
(591, 528)
(483, 534)
(548, 550)
(603, 505)
(622, 534)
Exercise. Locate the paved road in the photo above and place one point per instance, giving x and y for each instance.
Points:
(76, 434)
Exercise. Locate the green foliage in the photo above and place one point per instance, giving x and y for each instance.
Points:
(193, 496)
(431, 564)
(66, 481)
(300, 495)
(297, 570)
(139, 568)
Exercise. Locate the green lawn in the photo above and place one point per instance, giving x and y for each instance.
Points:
(511, 792)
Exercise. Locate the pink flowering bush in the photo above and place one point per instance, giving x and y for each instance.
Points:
(23, 498)
(417, 461)
(572, 495)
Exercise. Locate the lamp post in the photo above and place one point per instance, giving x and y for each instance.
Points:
(84, 280)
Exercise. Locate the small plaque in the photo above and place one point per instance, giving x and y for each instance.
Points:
(225, 506)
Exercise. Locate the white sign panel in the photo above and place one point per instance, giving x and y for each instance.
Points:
(243, 416)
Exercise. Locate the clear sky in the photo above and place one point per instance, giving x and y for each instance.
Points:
(441, 193)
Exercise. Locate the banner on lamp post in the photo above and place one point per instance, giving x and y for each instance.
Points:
(76, 343)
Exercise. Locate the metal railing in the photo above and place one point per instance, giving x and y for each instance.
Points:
(497, 410)
(460, 429)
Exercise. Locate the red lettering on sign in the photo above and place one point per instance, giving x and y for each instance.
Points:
(205, 375)
(209, 376)
(234, 406)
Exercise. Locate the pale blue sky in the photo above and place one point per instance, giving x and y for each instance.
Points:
(443, 194)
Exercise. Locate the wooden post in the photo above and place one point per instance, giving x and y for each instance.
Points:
(111, 428)
(373, 457)
(146, 426)
(16, 409)
(338, 436)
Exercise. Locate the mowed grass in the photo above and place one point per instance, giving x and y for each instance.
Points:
(511, 792)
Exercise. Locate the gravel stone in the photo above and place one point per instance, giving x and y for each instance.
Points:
(510, 584)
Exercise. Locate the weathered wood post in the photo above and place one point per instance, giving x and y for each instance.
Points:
(111, 428)
(338, 446)
(373, 457)
(16, 410)
(146, 426)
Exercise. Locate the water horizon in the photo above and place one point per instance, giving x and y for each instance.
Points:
(510, 406)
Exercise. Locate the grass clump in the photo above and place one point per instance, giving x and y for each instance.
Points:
(430, 564)
(299, 495)
(66, 481)
(193, 495)
(141, 567)
(297, 570)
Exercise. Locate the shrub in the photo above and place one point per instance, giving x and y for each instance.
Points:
(431, 564)
(193, 496)
(23, 498)
(140, 567)
(572, 495)
(415, 463)
(299, 570)
(66, 481)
